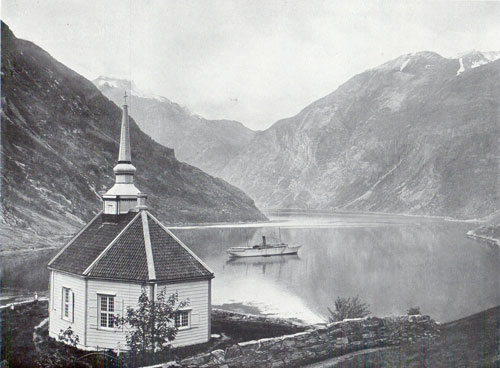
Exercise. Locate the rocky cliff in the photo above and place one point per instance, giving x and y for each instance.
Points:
(59, 145)
(419, 134)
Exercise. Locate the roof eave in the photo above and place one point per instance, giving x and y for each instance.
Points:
(142, 281)
(73, 239)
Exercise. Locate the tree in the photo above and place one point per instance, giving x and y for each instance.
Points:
(151, 326)
(348, 308)
(413, 311)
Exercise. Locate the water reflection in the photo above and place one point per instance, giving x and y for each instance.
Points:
(261, 263)
(390, 262)
(21, 275)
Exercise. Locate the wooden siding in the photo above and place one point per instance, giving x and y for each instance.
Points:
(126, 295)
(59, 281)
(197, 293)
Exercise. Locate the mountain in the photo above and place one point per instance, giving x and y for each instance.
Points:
(207, 144)
(60, 144)
(415, 135)
(473, 59)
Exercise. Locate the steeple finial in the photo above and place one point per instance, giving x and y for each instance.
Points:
(124, 154)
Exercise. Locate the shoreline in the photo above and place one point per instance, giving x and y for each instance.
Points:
(270, 223)
(488, 239)
(370, 213)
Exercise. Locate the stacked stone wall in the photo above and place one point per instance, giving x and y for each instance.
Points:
(319, 343)
(261, 326)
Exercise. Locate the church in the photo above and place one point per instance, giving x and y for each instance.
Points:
(122, 251)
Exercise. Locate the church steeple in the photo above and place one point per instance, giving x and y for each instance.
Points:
(123, 196)
(124, 153)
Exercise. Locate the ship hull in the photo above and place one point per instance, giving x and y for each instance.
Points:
(263, 252)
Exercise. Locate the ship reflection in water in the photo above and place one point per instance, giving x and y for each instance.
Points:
(246, 263)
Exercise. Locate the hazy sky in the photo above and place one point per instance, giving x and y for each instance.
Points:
(252, 61)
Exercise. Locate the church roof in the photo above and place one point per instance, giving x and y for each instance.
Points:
(133, 246)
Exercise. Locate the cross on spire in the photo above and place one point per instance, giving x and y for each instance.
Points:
(125, 97)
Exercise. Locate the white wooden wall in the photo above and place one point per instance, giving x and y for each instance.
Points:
(126, 295)
(58, 280)
(198, 294)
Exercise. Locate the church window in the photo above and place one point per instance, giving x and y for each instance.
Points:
(182, 319)
(106, 311)
(67, 304)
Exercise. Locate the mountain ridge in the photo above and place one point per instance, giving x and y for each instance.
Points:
(207, 144)
(60, 144)
(341, 151)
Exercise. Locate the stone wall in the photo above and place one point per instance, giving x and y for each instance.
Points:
(319, 343)
(254, 326)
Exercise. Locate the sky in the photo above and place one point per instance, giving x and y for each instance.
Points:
(253, 61)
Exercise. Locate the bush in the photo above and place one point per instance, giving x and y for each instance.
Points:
(63, 353)
(348, 308)
(151, 326)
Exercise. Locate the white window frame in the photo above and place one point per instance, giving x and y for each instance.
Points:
(66, 303)
(180, 312)
(107, 311)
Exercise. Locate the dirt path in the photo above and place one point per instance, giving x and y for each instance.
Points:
(36, 336)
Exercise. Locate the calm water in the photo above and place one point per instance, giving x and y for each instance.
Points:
(391, 262)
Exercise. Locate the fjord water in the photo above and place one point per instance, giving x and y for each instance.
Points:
(390, 262)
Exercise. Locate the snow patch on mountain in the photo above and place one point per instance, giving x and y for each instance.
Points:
(127, 85)
(461, 69)
(491, 55)
(405, 63)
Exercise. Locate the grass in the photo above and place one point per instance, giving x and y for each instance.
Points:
(17, 326)
(18, 348)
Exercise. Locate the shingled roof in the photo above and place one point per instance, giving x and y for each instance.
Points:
(134, 246)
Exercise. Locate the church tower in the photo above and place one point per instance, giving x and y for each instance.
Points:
(123, 196)
(121, 253)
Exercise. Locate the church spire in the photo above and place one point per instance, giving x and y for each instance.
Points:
(124, 196)
(124, 155)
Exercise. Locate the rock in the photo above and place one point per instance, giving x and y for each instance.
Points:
(218, 356)
(233, 351)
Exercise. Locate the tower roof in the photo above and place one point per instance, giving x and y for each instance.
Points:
(133, 246)
(124, 170)
(124, 154)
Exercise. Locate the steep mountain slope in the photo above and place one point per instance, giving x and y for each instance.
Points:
(489, 230)
(60, 143)
(410, 136)
(207, 144)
